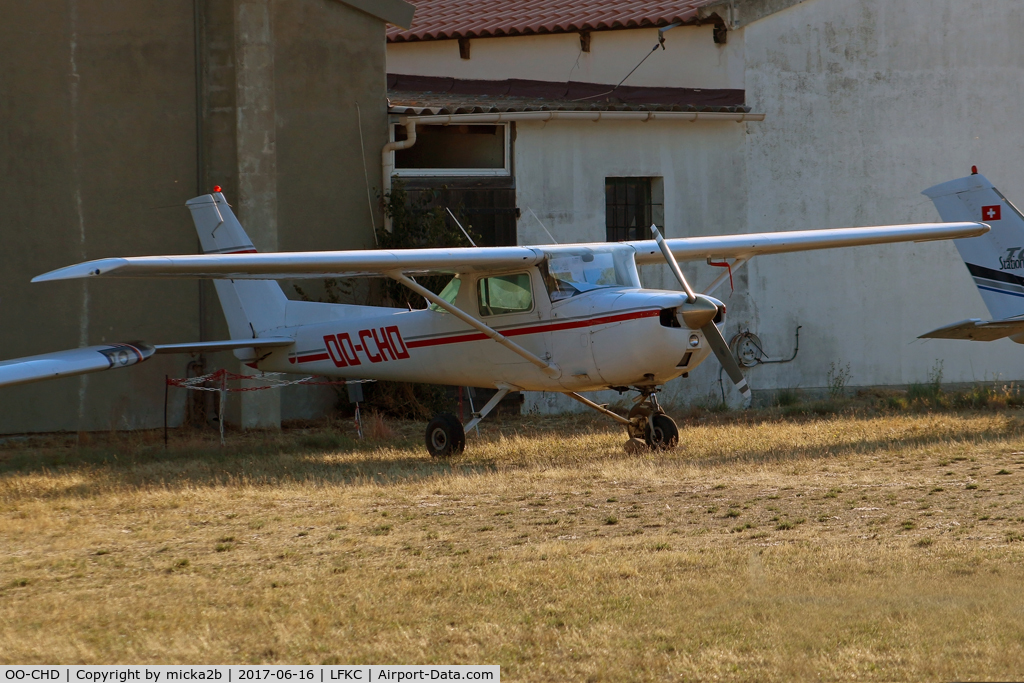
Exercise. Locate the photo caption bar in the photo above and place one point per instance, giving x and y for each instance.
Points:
(398, 673)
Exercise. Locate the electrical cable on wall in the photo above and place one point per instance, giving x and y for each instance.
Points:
(749, 352)
(660, 43)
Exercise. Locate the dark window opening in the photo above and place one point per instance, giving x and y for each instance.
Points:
(630, 208)
(453, 147)
(489, 212)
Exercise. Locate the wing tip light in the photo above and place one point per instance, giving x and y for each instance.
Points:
(81, 270)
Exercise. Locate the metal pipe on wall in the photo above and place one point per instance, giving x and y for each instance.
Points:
(388, 161)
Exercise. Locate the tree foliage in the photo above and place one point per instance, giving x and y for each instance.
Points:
(418, 221)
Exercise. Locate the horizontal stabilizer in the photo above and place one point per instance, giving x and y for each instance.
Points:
(110, 356)
(978, 330)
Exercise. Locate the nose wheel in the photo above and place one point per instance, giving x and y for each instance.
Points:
(648, 422)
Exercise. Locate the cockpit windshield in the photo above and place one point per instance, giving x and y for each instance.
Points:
(572, 272)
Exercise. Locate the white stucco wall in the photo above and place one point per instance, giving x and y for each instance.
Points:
(867, 103)
(691, 59)
(560, 173)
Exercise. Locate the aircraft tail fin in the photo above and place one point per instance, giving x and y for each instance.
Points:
(996, 259)
(251, 307)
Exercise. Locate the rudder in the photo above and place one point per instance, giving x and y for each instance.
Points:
(250, 307)
(996, 259)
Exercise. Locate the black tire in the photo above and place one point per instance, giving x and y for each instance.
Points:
(661, 432)
(445, 436)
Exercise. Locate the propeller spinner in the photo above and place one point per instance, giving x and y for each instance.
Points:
(698, 313)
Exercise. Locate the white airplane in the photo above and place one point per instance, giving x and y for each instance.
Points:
(996, 261)
(565, 318)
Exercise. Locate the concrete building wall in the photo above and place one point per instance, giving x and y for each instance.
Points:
(691, 58)
(93, 96)
(331, 124)
(103, 144)
(867, 104)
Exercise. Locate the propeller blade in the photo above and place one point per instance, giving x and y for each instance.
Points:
(725, 357)
(667, 253)
(699, 312)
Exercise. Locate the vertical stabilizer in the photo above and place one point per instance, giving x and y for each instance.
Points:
(996, 259)
(251, 307)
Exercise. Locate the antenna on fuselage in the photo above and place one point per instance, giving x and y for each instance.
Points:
(460, 226)
(553, 240)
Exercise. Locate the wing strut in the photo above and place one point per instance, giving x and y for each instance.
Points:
(550, 369)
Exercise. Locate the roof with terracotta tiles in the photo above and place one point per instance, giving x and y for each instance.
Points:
(446, 19)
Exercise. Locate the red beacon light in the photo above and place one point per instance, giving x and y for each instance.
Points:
(974, 170)
(216, 188)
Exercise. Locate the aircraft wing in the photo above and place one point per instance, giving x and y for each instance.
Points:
(111, 356)
(758, 243)
(976, 329)
(304, 264)
(321, 264)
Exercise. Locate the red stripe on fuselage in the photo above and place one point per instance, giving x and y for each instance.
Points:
(312, 358)
(534, 329)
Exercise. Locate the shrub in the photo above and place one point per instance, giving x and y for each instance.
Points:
(787, 397)
(836, 379)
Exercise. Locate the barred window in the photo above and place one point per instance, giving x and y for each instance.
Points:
(630, 208)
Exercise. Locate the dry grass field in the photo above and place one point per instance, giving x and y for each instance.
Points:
(853, 546)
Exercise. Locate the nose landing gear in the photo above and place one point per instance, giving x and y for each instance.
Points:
(648, 425)
(649, 422)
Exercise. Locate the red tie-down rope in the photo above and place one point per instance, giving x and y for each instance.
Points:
(724, 264)
(220, 380)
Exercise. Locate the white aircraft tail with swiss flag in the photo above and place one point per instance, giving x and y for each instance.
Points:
(995, 260)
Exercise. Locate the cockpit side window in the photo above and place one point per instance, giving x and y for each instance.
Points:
(449, 294)
(505, 294)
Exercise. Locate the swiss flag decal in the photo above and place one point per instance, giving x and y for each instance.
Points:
(990, 213)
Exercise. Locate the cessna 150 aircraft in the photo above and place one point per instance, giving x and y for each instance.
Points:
(565, 318)
(995, 261)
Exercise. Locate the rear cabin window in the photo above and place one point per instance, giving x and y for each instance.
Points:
(505, 294)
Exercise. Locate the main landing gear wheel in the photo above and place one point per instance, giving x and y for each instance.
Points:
(661, 432)
(445, 436)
